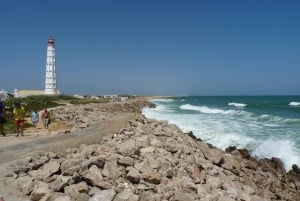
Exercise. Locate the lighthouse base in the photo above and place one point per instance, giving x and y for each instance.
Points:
(50, 92)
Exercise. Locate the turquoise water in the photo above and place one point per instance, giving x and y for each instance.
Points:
(268, 126)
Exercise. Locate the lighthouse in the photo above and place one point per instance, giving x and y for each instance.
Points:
(50, 80)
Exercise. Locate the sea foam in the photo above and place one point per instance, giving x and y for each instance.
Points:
(163, 100)
(294, 104)
(162, 109)
(237, 104)
(205, 109)
(276, 119)
(280, 148)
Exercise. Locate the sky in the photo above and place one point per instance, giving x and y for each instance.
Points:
(153, 47)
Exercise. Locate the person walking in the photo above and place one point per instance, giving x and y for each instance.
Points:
(2, 117)
(19, 114)
(46, 118)
(34, 118)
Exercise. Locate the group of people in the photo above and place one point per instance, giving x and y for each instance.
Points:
(19, 115)
(45, 117)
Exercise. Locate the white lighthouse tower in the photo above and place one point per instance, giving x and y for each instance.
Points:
(50, 80)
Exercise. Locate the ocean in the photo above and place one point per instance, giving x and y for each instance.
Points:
(268, 126)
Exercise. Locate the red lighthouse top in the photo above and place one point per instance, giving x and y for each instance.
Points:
(51, 41)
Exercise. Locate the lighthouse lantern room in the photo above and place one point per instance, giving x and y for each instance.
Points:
(50, 80)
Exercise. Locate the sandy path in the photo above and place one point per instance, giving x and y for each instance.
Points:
(12, 147)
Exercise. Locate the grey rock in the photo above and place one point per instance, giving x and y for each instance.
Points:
(126, 161)
(70, 166)
(126, 195)
(104, 195)
(127, 148)
(212, 154)
(81, 187)
(111, 170)
(40, 190)
(133, 176)
(152, 177)
(94, 177)
(149, 196)
(59, 183)
(26, 184)
(256, 198)
(63, 198)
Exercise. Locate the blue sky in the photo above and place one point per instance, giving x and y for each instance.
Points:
(153, 47)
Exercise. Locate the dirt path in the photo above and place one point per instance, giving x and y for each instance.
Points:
(12, 148)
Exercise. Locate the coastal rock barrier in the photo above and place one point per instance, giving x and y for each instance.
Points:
(150, 160)
(81, 116)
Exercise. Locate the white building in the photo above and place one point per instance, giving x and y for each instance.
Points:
(78, 96)
(111, 96)
(50, 80)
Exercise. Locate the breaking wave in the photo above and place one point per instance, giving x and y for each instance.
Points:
(163, 100)
(241, 114)
(237, 104)
(294, 104)
(280, 148)
(205, 109)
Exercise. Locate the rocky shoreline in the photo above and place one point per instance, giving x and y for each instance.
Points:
(148, 160)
